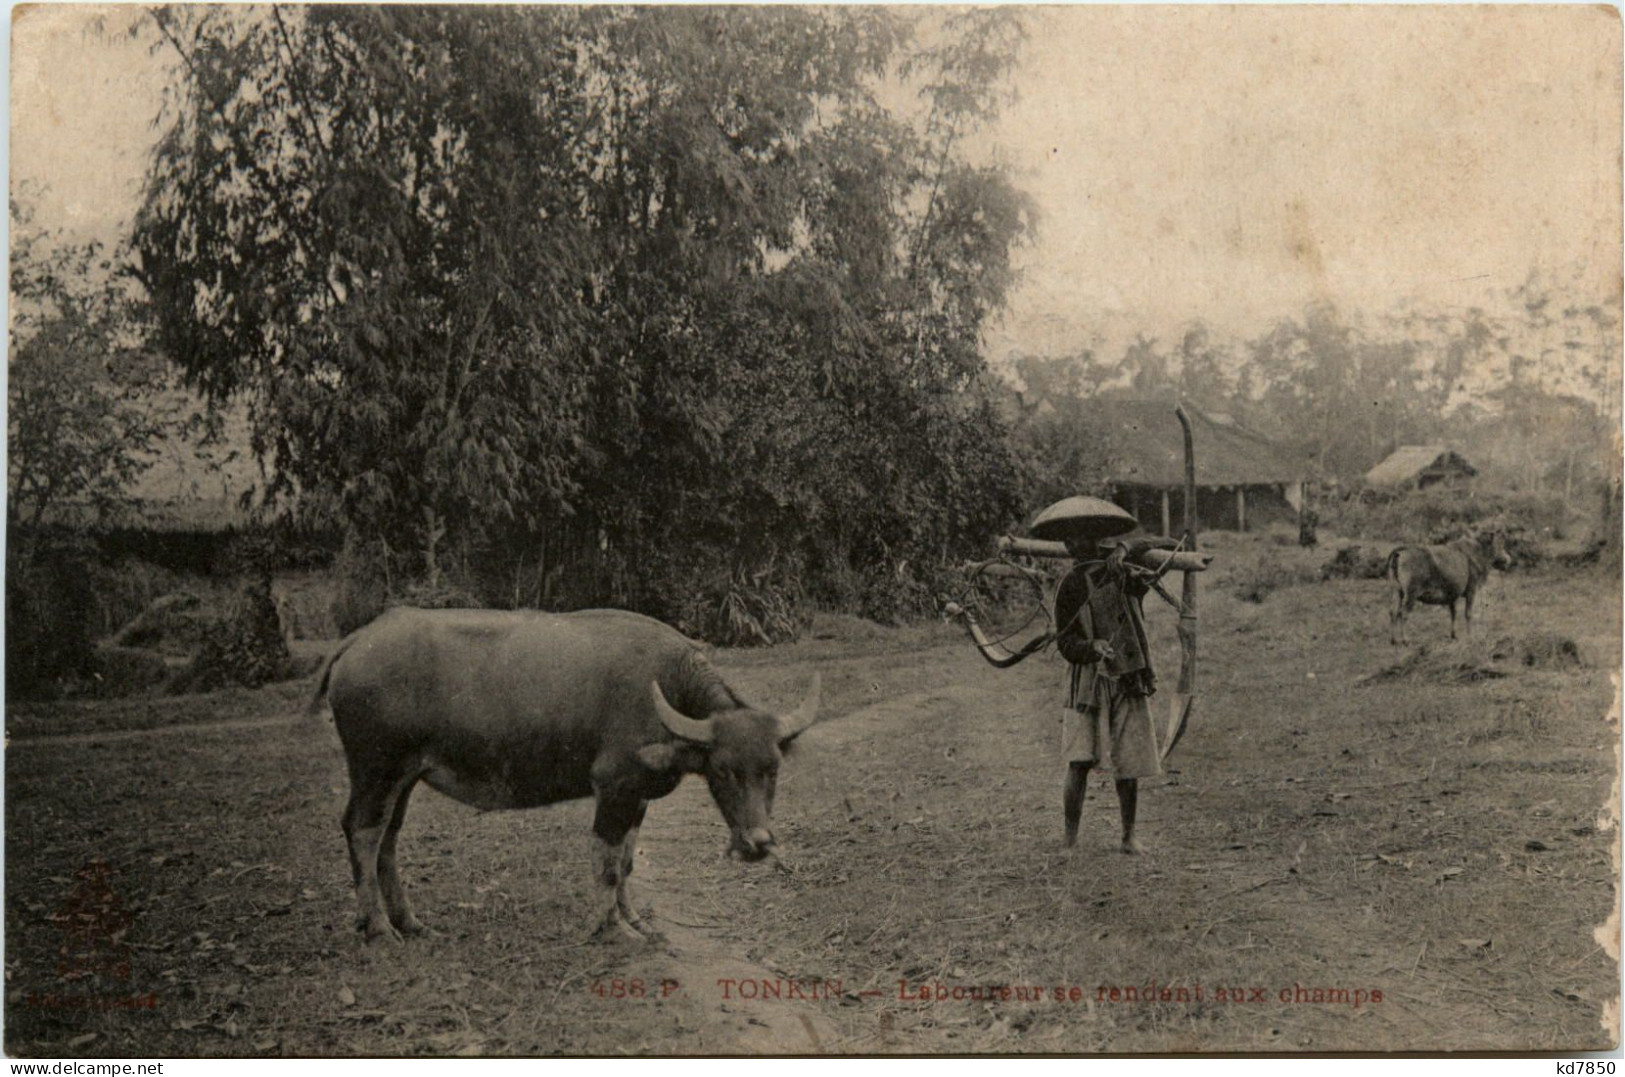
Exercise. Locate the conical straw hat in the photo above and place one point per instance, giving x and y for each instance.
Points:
(1082, 517)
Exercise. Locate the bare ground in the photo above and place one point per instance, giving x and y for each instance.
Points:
(1436, 838)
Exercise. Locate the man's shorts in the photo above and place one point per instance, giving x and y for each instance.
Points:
(1113, 728)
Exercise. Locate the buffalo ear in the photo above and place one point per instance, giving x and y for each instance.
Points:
(671, 756)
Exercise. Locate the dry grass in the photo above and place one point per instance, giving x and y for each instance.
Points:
(1445, 664)
(1470, 661)
(1540, 649)
(1254, 565)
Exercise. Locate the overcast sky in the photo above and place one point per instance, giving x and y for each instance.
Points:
(1233, 164)
(1228, 164)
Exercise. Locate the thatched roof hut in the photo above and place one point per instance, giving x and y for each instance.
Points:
(1239, 472)
(1421, 466)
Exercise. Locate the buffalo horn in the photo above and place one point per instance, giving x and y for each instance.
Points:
(803, 716)
(678, 722)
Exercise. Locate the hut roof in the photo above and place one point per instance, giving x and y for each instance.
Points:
(1147, 448)
(1408, 461)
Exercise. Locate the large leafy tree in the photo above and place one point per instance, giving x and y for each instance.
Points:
(674, 273)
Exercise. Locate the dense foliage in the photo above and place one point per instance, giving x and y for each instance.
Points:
(85, 408)
(670, 292)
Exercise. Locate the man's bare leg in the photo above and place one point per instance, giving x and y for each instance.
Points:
(1077, 777)
(1128, 795)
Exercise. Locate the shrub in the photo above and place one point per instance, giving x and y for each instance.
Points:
(361, 570)
(1254, 581)
(125, 587)
(249, 647)
(49, 616)
(126, 671)
(1357, 563)
(1540, 649)
(703, 595)
(1441, 513)
(753, 611)
(176, 623)
(891, 597)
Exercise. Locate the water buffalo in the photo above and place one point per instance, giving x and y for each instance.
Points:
(1442, 575)
(521, 709)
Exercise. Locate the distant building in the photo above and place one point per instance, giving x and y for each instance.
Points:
(1242, 477)
(1420, 466)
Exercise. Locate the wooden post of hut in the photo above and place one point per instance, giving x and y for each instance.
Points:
(1167, 517)
(1241, 508)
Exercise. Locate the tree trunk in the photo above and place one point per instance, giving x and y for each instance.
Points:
(434, 529)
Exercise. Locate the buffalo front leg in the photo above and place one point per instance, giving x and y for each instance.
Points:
(1452, 620)
(389, 876)
(623, 896)
(613, 822)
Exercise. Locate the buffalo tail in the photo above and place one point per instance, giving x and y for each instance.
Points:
(313, 709)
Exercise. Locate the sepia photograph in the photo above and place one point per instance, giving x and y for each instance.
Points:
(686, 530)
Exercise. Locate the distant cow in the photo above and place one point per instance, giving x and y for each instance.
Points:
(1442, 575)
(521, 709)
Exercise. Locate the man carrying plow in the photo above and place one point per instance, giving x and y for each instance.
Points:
(1100, 631)
(1098, 626)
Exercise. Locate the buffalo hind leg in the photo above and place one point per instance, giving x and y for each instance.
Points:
(372, 800)
(612, 824)
(1403, 605)
(389, 876)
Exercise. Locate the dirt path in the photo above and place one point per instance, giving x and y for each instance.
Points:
(115, 736)
(737, 1006)
(1432, 839)
(735, 1003)
(738, 1002)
